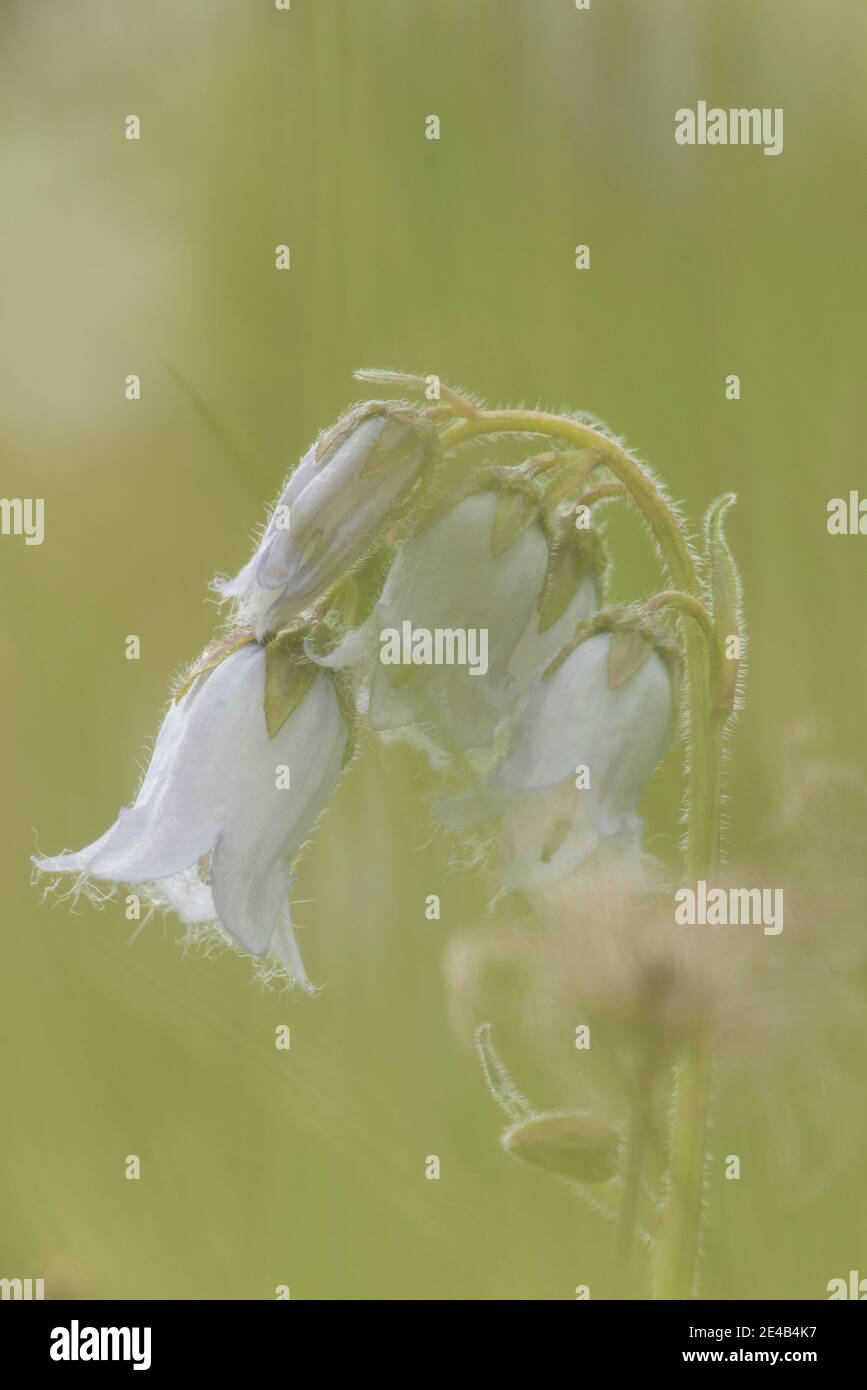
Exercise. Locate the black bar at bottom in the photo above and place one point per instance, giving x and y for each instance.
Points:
(158, 1337)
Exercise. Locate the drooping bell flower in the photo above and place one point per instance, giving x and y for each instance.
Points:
(476, 569)
(591, 733)
(350, 485)
(605, 706)
(243, 764)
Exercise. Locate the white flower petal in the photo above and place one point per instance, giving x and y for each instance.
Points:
(550, 835)
(572, 719)
(72, 861)
(265, 826)
(81, 860)
(284, 948)
(393, 706)
(184, 798)
(445, 577)
(189, 897)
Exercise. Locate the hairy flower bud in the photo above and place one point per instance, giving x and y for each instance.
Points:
(577, 1146)
(213, 794)
(356, 480)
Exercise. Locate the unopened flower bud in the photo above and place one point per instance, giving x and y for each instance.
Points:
(577, 1146)
(355, 481)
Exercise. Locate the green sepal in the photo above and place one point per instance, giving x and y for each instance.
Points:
(357, 595)
(571, 557)
(407, 433)
(289, 675)
(628, 652)
(404, 436)
(518, 506)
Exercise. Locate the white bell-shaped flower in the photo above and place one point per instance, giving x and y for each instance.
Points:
(221, 796)
(454, 576)
(348, 487)
(548, 836)
(600, 719)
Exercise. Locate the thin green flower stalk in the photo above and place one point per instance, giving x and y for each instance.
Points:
(676, 1265)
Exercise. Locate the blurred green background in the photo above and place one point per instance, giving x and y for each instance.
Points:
(260, 127)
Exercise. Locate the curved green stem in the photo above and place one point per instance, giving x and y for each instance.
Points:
(638, 482)
(601, 493)
(686, 604)
(679, 1240)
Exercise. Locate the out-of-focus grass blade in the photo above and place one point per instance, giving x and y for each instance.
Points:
(249, 470)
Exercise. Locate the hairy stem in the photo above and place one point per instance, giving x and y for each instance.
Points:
(685, 604)
(633, 1190)
(638, 482)
(675, 1272)
(679, 1240)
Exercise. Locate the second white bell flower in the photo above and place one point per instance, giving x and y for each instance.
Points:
(452, 576)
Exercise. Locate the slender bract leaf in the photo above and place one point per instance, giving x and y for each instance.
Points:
(499, 1082)
(724, 585)
(516, 511)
